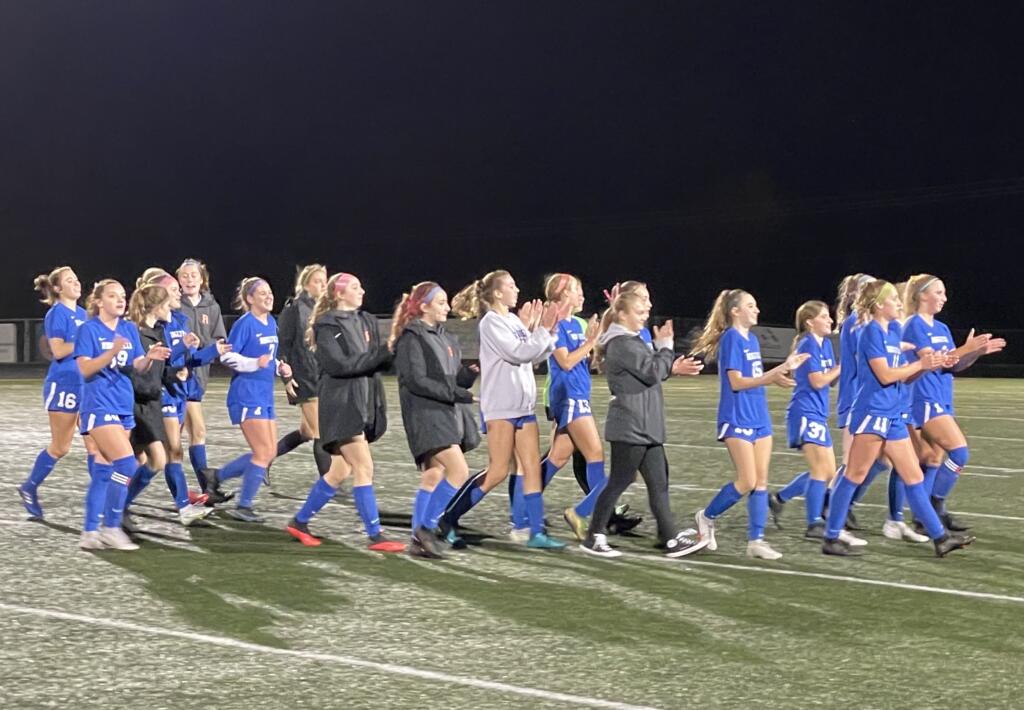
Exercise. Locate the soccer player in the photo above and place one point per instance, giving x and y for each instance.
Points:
(744, 423)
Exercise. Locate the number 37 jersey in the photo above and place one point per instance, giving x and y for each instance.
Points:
(746, 408)
(109, 390)
(250, 337)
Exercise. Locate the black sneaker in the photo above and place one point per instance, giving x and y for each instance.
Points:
(681, 545)
(851, 521)
(951, 541)
(243, 514)
(621, 522)
(425, 543)
(214, 494)
(951, 523)
(776, 505)
(815, 531)
(838, 548)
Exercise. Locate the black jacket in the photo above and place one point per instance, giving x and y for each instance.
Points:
(149, 385)
(351, 355)
(433, 387)
(291, 330)
(636, 412)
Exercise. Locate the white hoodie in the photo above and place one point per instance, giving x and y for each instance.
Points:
(508, 389)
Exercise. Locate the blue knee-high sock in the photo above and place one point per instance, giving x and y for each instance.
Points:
(318, 497)
(839, 474)
(535, 511)
(366, 504)
(795, 488)
(930, 472)
(117, 491)
(96, 494)
(175, 473)
(839, 506)
(876, 468)
(897, 496)
(439, 500)
(143, 475)
(235, 468)
(468, 496)
(252, 479)
(596, 480)
(419, 508)
(815, 500)
(923, 510)
(949, 472)
(518, 503)
(547, 472)
(40, 470)
(757, 514)
(197, 457)
(726, 498)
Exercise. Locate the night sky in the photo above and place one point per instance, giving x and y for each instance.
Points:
(694, 145)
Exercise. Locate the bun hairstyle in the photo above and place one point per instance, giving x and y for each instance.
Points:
(204, 274)
(245, 287)
(475, 300)
(804, 313)
(304, 274)
(146, 298)
(872, 295)
(48, 285)
(410, 308)
(719, 320)
(92, 301)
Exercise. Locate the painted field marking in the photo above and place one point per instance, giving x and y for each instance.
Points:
(386, 668)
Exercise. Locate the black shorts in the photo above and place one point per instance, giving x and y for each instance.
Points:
(149, 424)
(305, 391)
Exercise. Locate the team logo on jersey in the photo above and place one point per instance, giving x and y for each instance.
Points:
(267, 339)
(756, 355)
(205, 319)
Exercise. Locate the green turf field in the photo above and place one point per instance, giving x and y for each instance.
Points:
(226, 616)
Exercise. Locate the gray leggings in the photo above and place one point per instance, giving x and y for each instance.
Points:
(627, 459)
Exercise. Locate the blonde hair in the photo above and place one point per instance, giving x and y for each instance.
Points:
(476, 299)
(328, 301)
(204, 274)
(410, 307)
(916, 285)
(625, 301)
(556, 285)
(145, 300)
(719, 320)
(872, 295)
(804, 313)
(245, 287)
(304, 274)
(846, 294)
(49, 285)
(92, 301)
(151, 276)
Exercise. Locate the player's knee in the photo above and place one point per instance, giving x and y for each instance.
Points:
(960, 457)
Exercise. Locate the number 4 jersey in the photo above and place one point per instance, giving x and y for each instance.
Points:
(109, 391)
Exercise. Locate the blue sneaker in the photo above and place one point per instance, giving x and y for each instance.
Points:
(30, 499)
(541, 541)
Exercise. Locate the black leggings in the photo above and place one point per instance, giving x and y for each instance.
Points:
(627, 459)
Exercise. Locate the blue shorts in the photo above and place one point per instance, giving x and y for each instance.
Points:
(802, 430)
(518, 422)
(239, 413)
(173, 409)
(58, 397)
(924, 412)
(91, 420)
(731, 431)
(194, 391)
(567, 410)
(887, 428)
(843, 417)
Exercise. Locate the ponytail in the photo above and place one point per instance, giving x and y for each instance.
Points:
(476, 299)
(145, 300)
(410, 307)
(48, 285)
(719, 320)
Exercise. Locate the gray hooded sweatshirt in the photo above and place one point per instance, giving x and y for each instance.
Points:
(636, 412)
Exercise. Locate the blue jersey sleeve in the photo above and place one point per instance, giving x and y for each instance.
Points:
(87, 344)
(239, 334)
(810, 347)
(59, 324)
(730, 352)
(562, 337)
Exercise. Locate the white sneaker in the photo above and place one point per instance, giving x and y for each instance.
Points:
(521, 535)
(191, 513)
(850, 539)
(128, 524)
(706, 529)
(116, 539)
(760, 548)
(90, 540)
(599, 547)
(682, 545)
(899, 530)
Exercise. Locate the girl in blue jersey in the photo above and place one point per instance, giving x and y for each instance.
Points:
(106, 348)
(932, 411)
(744, 423)
(250, 400)
(876, 419)
(62, 388)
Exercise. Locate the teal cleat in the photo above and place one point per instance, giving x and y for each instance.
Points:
(541, 541)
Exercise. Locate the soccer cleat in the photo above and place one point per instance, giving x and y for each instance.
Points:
(519, 535)
(837, 548)
(815, 531)
(951, 541)
(197, 498)
(682, 545)
(577, 524)
(30, 499)
(851, 521)
(450, 534)
(243, 514)
(300, 531)
(598, 546)
(776, 505)
(761, 549)
(90, 540)
(541, 541)
(214, 494)
(899, 530)
(621, 523)
(848, 538)
(951, 523)
(380, 543)
(706, 530)
(422, 545)
(192, 512)
(116, 539)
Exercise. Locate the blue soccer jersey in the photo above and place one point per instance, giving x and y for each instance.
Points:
(747, 408)
(109, 390)
(645, 335)
(574, 383)
(249, 337)
(873, 397)
(63, 322)
(937, 385)
(806, 400)
(849, 334)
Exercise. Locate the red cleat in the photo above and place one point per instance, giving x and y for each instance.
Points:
(300, 531)
(380, 544)
(197, 498)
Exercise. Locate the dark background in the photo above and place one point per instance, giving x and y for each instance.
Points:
(695, 145)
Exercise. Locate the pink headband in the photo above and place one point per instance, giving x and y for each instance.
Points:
(342, 282)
